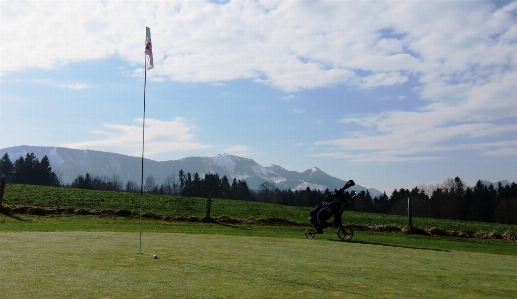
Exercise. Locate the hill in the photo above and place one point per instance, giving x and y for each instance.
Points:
(70, 163)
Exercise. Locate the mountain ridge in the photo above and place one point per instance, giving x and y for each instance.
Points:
(70, 163)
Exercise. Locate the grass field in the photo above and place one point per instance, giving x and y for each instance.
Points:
(66, 255)
(97, 257)
(106, 265)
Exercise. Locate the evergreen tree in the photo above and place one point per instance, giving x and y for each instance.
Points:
(233, 189)
(45, 175)
(420, 202)
(290, 197)
(480, 204)
(225, 187)
(181, 177)
(366, 203)
(6, 167)
(196, 189)
(212, 183)
(19, 176)
(31, 168)
(78, 182)
(240, 190)
(398, 202)
(382, 205)
(187, 188)
(87, 182)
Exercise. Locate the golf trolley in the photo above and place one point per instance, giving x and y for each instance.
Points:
(344, 233)
(334, 205)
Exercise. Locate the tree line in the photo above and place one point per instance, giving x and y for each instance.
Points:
(29, 170)
(186, 185)
(450, 200)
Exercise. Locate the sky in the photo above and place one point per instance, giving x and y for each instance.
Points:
(391, 94)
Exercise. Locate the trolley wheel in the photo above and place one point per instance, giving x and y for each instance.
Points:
(310, 233)
(345, 233)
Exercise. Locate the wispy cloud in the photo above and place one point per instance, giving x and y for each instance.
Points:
(238, 150)
(298, 110)
(160, 137)
(75, 85)
(382, 79)
(482, 112)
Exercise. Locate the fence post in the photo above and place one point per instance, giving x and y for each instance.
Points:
(2, 190)
(208, 204)
(409, 213)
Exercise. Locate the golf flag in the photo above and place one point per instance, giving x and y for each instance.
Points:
(148, 48)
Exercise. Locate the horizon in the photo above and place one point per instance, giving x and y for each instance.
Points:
(388, 192)
(392, 94)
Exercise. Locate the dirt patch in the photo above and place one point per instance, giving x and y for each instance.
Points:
(386, 228)
(227, 220)
(272, 221)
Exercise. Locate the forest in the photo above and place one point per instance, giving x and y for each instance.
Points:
(452, 199)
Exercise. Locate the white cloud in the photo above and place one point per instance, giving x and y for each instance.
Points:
(462, 56)
(486, 111)
(160, 137)
(383, 79)
(238, 150)
(442, 43)
(75, 85)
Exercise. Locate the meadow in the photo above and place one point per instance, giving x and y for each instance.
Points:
(80, 201)
(68, 255)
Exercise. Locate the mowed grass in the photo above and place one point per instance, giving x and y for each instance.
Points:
(96, 256)
(93, 223)
(78, 264)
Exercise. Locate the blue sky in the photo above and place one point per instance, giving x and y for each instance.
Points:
(392, 94)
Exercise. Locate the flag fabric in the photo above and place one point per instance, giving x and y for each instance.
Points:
(148, 48)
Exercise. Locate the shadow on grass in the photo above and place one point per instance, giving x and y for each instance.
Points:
(396, 246)
(6, 213)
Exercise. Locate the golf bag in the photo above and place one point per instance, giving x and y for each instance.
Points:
(322, 212)
(334, 205)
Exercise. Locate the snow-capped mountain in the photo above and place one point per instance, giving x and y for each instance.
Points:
(70, 163)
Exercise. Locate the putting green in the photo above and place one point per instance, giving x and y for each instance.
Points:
(107, 265)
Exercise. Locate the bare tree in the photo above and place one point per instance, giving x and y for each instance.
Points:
(116, 183)
(170, 186)
(150, 184)
(131, 186)
(266, 191)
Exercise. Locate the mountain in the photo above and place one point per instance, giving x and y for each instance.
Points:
(70, 163)
(504, 183)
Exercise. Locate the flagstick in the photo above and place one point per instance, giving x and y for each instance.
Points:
(143, 142)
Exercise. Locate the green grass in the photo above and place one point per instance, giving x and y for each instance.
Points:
(96, 256)
(75, 264)
(52, 197)
(62, 223)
